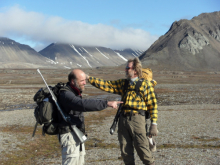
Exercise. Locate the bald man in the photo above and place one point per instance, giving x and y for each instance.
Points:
(72, 103)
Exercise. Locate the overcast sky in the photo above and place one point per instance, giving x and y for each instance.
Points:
(115, 24)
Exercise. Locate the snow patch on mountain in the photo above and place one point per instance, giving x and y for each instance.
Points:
(87, 51)
(102, 53)
(66, 67)
(121, 56)
(81, 55)
(79, 65)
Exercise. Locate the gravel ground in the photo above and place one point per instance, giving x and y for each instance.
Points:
(177, 125)
(188, 121)
(191, 131)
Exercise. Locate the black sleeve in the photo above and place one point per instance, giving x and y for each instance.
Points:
(69, 101)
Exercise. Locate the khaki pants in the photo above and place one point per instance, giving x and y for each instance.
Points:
(132, 134)
(71, 154)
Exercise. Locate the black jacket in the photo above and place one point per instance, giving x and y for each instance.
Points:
(74, 105)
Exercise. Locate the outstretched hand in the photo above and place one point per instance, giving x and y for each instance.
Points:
(87, 76)
(114, 104)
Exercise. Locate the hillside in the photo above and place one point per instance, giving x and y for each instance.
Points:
(16, 55)
(188, 45)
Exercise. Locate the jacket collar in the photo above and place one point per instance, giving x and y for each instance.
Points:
(76, 90)
(134, 79)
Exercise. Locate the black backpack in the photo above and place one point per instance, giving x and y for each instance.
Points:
(46, 112)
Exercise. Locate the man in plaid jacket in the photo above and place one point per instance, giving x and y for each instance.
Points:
(131, 126)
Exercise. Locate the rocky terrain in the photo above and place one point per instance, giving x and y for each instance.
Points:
(188, 123)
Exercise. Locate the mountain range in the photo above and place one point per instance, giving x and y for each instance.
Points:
(188, 45)
(58, 55)
(74, 56)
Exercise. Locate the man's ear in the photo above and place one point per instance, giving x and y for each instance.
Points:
(72, 82)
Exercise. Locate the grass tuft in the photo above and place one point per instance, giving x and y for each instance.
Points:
(205, 138)
(188, 146)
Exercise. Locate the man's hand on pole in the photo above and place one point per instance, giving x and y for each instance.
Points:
(114, 104)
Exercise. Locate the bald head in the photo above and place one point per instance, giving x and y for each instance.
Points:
(77, 78)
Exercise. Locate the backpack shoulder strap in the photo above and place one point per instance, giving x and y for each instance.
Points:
(138, 85)
(137, 90)
(65, 88)
(60, 86)
(125, 89)
(125, 85)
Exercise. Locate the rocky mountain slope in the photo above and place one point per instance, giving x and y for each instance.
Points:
(14, 54)
(73, 56)
(188, 45)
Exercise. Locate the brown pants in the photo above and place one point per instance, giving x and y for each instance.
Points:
(132, 134)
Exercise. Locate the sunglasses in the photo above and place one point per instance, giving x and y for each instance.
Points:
(127, 68)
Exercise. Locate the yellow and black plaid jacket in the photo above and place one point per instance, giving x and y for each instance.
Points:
(133, 101)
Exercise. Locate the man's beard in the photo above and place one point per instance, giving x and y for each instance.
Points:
(79, 87)
(127, 75)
